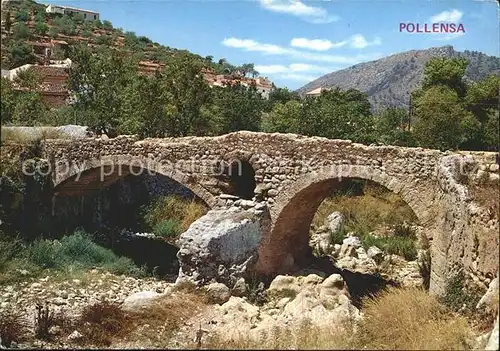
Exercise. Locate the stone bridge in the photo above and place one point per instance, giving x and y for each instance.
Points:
(294, 174)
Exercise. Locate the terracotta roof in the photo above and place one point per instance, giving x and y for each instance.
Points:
(51, 71)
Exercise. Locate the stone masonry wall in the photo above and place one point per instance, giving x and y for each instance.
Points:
(295, 173)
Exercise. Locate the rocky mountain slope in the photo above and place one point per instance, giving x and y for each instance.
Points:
(390, 80)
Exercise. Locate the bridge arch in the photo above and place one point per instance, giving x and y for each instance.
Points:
(288, 239)
(99, 173)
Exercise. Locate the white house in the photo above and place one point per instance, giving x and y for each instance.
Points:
(67, 10)
(317, 91)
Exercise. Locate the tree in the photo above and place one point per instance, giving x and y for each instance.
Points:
(29, 109)
(107, 25)
(19, 54)
(53, 32)
(482, 100)
(98, 23)
(280, 95)
(21, 31)
(98, 82)
(186, 92)
(446, 71)
(390, 127)
(78, 18)
(146, 107)
(248, 69)
(441, 118)
(338, 114)
(65, 25)
(284, 118)
(41, 28)
(7, 100)
(236, 107)
(22, 16)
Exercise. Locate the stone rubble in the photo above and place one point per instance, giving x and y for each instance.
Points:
(353, 257)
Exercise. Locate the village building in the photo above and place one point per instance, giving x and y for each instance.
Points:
(317, 91)
(54, 77)
(71, 11)
(262, 84)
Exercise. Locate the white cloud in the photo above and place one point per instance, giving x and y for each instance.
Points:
(449, 36)
(270, 69)
(316, 44)
(452, 16)
(298, 77)
(270, 49)
(298, 8)
(356, 41)
(292, 68)
(252, 45)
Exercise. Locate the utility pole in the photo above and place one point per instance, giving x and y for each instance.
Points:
(410, 113)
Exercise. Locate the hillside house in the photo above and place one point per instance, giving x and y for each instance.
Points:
(317, 91)
(71, 11)
(263, 85)
(54, 77)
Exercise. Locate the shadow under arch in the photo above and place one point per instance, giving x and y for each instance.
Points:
(287, 242)
(97, 174)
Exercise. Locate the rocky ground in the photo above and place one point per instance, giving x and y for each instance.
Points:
(351, 255)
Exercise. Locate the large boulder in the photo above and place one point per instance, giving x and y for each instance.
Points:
(218, 293)
(221, 246)
(335, 221)
(493, 340)
(490, 298)
(139, 300)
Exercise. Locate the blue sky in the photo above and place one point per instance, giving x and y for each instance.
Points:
(295, 41)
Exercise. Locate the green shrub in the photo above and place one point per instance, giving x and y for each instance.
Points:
(125, 266)
(9, 249)
(396, 245)
(338, 236)
(165, 208)
(46, 254)
(76, 251)
(22, 16)
(21, 31)
(365, 206)
(457, 297)
(169, 228)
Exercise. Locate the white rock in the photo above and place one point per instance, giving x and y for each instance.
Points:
(335, 221)
(75, 335)
(239, 288)
(139, 300)
(352, 241)
(218, 293)
(493, 342)
(375, 253)
(488, 298)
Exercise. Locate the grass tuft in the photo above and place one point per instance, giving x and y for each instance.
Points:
(411, 319)
(73, 253)
(13, 328)
(102, 322)
(169, 216)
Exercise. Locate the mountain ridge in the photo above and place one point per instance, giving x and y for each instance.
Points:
(390, 80)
